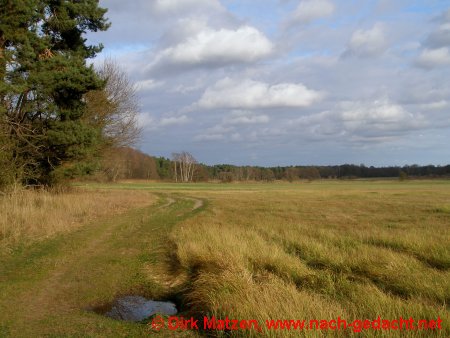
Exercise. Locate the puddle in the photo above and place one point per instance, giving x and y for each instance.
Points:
(137, 308)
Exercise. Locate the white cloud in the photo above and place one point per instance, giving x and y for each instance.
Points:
(435, 105)
(209, 137)
(242, 117)
(379, 115)
(149, 122)
(372, 120)
(366, 43)
(430, 58)
(180, 6)
(236, 137)
(436, 47)
(239, 125)
(310, 10)
(249, 94)
(148, 85)
(185, 89)
(175, 120)
(214, 133)
(217, 47)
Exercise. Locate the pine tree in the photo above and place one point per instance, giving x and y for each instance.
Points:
(43, 77)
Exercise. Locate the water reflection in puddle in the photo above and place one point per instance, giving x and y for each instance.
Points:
(137, 308)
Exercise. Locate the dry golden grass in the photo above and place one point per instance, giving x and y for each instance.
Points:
(355, 250)
(320, 252)
(28, 216)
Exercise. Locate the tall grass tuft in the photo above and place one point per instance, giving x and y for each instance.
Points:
(31, 215)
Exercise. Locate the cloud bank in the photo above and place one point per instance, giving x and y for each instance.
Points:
(288, 81)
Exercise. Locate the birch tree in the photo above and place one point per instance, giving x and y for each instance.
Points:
(184, 166)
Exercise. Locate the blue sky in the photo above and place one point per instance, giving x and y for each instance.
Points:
(281, 82)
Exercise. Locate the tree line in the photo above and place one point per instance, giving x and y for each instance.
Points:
(182, 167)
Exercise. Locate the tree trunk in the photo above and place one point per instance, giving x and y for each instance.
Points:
(2, 67)
(175, 165)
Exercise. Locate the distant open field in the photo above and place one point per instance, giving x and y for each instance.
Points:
(321, 250)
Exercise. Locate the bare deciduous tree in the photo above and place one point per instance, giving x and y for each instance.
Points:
(115, 108)
(184, 166)
(113, 164)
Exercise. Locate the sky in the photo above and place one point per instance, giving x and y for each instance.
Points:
(287, 82)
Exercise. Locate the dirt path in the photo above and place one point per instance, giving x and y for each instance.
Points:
(169, 202)
(48, 289)
(198, 203)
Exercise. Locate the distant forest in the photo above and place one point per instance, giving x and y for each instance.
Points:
(128, 163)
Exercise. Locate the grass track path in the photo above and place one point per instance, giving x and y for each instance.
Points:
(48, 289)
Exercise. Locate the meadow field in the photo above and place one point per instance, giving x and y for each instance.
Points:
(323, 250)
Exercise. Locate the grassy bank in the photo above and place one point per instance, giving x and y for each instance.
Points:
(28, 216)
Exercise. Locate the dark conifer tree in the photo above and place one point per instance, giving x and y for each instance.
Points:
(43, 78)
